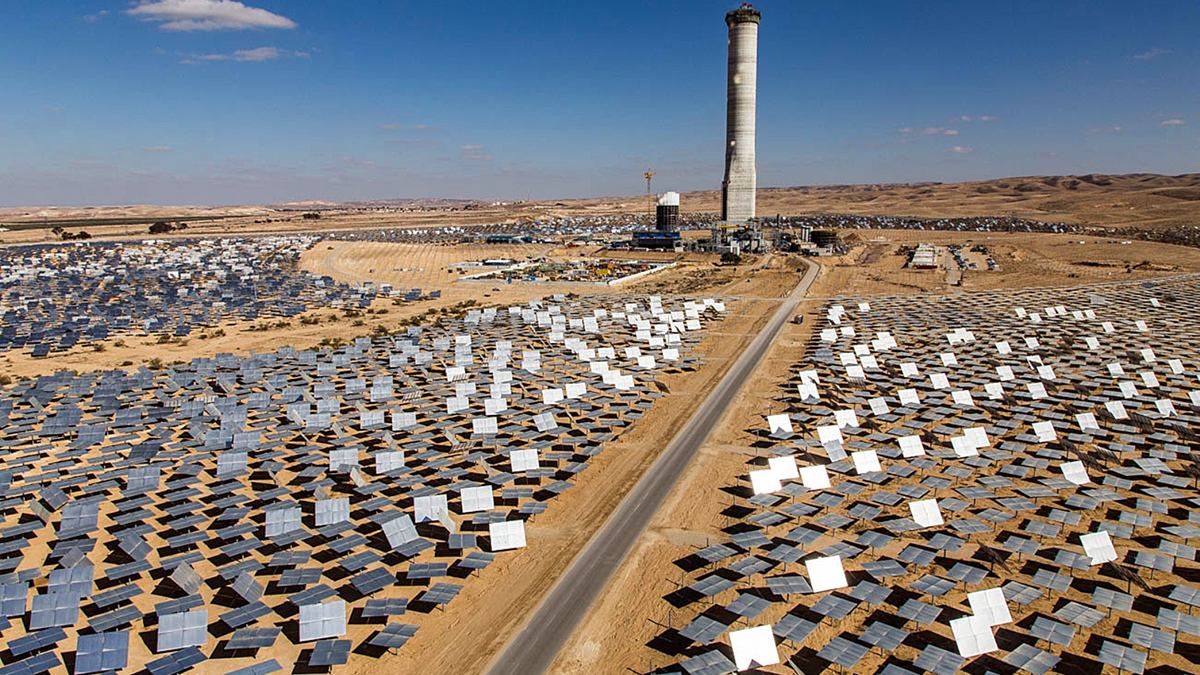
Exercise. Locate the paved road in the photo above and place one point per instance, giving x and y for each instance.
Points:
(532, 650)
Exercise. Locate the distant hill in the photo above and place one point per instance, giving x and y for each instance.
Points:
(1138, 200)
(1117, 201)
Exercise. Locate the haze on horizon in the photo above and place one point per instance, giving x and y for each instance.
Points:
(226, 102)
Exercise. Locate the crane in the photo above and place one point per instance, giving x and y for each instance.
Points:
(649, 198)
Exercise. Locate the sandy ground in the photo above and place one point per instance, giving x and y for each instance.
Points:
(631, 611)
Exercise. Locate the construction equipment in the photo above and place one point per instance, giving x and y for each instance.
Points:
(649, 197)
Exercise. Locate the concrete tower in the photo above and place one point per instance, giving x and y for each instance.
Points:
(737, 190)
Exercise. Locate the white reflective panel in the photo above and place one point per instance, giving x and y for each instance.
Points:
(1036, 390)
(866, 461)
(909, 370)
(523, 460)
(826, 574)
(552, 396)
(1044, 431)
(1117, 410)
(1128, 389)
(978, 436)
(939, 381)
(507, 535)
(429, 508)
(494, 406)
(1099, 546)
(322, 620)
(814, 477)
(1045, 372)
(403, 420)
(1092, 343)
(829, 434)
(388, 461)
(764, 481)
(780, 423)
(1003, 347)
(963, 447)
(753, 648)
(1176, 366)
(1087, 422)
(576, 389)
(1149, 379)
(962, 397)
(973, 636)
(808, 392)
(1108, 327)
(477, 498)
(911, 446)
(991, 606)
(909, 397)
(949, 359)
(1115, 369)
(1005, 373)
(484, 426)
(845, 418)
(1166, 407)
(994, 390)
(879, 406)
(784, 467)
(926, 513)
(1075, 472)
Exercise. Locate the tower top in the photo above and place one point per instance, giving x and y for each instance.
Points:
(744, 14)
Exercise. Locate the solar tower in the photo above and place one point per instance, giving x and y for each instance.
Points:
(737, 190)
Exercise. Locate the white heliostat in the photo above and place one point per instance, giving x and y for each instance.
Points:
(669, 199)
(738, 188)
(753, 648)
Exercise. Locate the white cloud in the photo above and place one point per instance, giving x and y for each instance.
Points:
(1172, 123)
(203, 15)
(1151, 54)
(475, 153)
(981, 118)
(93, 18)
(157, 148)
(248, 55)
(929, 131)
(1106, 130)
(961, 150)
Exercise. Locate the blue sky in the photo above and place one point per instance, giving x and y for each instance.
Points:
(221, 102)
